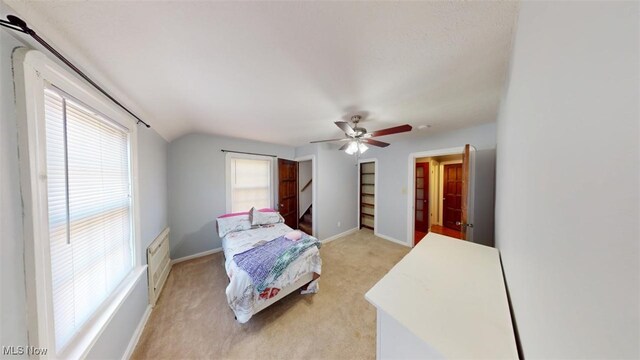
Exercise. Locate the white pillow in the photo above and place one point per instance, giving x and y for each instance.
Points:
(264, 218)
(233, 223)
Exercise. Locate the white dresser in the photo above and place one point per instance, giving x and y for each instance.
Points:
(445, 299)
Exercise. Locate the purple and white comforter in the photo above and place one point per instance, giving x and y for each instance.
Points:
(242, 295)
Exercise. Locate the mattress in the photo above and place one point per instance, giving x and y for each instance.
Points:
(242, 296)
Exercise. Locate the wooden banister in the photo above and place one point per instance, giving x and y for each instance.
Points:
(306, 186)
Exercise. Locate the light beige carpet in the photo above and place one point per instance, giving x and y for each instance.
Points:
(192, 318)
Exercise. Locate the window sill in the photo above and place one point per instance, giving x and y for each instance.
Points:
(79, 347)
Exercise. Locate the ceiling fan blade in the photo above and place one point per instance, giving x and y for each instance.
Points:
(344, 126)
(374, 142)
(393, 130)
(345, 146)
(321, 141)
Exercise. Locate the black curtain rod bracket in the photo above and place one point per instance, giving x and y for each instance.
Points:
(17, 24)
(248, 153)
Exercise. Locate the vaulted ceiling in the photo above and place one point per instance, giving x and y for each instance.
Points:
(282, 72)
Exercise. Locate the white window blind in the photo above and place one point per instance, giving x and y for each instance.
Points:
(250, 184)
(90, 232)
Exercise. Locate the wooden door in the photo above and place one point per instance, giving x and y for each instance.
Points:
(452, 199)
(421, 207)
(288, 192)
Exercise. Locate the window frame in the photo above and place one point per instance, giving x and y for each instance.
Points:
(33, 73)
(272, 179)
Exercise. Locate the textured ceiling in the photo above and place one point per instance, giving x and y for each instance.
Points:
(282, 72)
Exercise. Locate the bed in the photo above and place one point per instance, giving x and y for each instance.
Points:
(239, 238)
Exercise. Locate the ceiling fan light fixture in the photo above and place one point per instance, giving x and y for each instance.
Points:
(356, 136)
(352, 148)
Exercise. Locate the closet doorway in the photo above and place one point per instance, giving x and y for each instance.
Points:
(367, 179)
(421, 198)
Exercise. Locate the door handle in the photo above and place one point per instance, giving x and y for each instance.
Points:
(458, 223)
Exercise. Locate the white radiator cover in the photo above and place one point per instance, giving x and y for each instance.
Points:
(158, 264)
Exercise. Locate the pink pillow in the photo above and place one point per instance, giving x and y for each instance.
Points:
(244, 213)
(294, 235)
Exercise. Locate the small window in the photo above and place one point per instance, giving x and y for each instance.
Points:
(89, 207)
(249, 182)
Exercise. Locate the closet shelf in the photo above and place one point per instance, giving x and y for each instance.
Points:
(367, 199)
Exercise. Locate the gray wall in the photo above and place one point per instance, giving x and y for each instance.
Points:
(12, 289)
(153, 208)
(393, 178)
(337, 196)
(568, 173)
(152, 178)
(113, 342)
(336, 201)
(197, 189)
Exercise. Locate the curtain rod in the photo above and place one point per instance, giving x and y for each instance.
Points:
(17, 24)
(247, 153)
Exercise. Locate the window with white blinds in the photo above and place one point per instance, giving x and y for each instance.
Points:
(249, 183)
(89, 204)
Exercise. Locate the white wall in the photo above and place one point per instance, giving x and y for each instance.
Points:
(305, 198)
(153, 209)
(393, 178)
(197, 188)
(567, 231)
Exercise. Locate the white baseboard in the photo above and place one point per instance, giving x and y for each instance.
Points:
(136, 334)
(389, 238)
(195, 256)
(337, 236)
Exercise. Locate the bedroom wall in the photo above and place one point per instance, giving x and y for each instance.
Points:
(153, 210)
(336, 202)
(338, 175)
(393, 178)
(568, 233)
(197, 189)
(152, 173)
